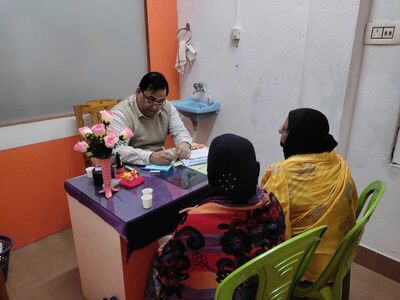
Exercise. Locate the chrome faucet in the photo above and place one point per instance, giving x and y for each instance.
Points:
(200, 89)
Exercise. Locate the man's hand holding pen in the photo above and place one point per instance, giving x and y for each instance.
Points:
(168, 156)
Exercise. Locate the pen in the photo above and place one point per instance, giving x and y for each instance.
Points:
(172, 161)
(128, 168)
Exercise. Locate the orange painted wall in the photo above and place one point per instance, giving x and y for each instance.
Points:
(162, 24)
(33, 202)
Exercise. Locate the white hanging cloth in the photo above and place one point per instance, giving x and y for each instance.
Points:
(181, 58)
(186, 52)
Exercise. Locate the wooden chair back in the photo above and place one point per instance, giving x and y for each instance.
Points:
(93, 108)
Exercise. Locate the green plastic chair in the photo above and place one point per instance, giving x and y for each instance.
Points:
(377, 188)
(277, 269)
(340, 263)
(362, 199)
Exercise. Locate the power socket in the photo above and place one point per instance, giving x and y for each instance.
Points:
(388, 32)
(382, 32)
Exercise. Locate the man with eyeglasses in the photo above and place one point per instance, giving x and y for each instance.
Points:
(151, 117)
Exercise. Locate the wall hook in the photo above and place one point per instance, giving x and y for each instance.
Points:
(184, 30)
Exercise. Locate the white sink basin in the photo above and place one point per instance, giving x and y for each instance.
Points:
(195, 109)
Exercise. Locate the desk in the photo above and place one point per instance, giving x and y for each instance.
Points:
(105, 229)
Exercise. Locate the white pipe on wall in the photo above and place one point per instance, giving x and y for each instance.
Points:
(237, 13)
(353, 78)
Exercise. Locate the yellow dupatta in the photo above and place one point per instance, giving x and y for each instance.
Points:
(314, 190)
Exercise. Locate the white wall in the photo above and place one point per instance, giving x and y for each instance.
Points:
(257, 82)
(297, 53)
(293, 53)
(374, 125)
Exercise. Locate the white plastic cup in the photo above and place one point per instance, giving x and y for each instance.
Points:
(147, 201)
(89, 172)
(147, 191)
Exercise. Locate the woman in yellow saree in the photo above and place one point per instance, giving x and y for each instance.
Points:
(313, 184)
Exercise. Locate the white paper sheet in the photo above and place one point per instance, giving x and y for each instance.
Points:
(202, 152)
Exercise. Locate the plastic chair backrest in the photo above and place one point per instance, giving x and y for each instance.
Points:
(344, 255)
(376, 189)
(276, 269)
(93, 108)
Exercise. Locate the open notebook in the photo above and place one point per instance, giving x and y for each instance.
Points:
(198, 156)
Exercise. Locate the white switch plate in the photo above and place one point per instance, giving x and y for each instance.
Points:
(382, 33)
(376, 32)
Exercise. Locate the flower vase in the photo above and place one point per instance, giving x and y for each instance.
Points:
(105, 164)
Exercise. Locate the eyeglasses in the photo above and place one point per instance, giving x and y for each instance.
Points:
(283, 130)
(152, 101)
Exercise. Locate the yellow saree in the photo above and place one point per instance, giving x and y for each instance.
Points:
(314, 190)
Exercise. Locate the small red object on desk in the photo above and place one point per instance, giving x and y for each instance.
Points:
(128, 184)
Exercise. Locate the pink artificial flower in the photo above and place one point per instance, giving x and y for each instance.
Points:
(107, 116)
(110, 131)
(84, 131)
(126, 134)
(81, 147)
(110, 140)
(99, 129)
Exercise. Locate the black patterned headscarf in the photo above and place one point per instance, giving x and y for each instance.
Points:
(232, 168)
(308, 132)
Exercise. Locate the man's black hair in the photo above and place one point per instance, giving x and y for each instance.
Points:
(154, 81)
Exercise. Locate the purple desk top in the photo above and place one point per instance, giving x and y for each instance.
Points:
(124, 211)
